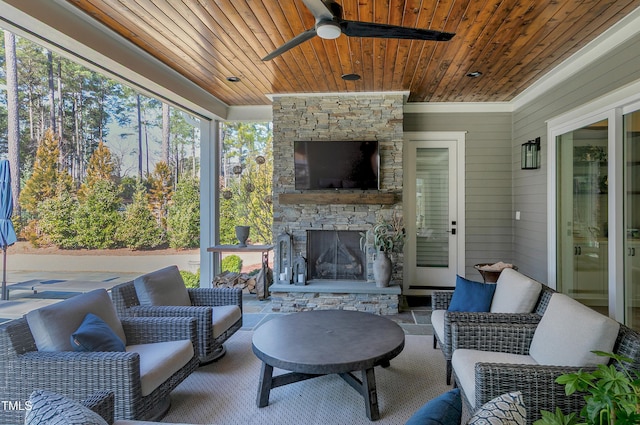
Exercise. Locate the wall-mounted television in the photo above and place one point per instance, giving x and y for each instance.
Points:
(336, 165)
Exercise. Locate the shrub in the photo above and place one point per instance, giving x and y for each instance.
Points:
(139, 227)
(56, 214)
(232, 263)
(97, 219)
(184, 215)
(191, 280)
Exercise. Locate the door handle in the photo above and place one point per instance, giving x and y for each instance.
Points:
(452, 231)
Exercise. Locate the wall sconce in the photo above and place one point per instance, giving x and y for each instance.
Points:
(530, 159)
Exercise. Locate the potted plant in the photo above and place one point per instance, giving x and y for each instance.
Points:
(612, 395)
(388, 236)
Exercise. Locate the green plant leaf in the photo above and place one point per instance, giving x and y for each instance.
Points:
(557, 418)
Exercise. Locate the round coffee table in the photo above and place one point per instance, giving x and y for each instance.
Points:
(322, 342)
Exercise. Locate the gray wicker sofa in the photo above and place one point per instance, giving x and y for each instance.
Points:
(160, 354)
(492, 359)
(162, 293)
(443, 320)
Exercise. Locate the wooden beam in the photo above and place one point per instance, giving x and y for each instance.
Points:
(365, 198)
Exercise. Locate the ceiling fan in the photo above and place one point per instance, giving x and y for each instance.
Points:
(330, 25)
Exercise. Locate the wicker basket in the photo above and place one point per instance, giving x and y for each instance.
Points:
(489, 276)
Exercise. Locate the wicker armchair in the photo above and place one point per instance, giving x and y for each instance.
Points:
(537, 382)
(441, 300)
(218, 311)
(78, 375)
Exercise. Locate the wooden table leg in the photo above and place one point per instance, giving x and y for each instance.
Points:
(369, 392)
(264, 386)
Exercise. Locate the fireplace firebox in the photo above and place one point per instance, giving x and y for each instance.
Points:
(335, 255)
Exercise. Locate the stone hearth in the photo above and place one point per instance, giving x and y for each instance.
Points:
(328, 294)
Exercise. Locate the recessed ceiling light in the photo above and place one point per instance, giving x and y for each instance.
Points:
(350, 77)
(474, 74)
(233, 79)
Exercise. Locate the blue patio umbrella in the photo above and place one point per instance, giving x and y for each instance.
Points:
(7, 233)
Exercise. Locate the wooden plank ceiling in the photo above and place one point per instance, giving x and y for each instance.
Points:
(512, 42)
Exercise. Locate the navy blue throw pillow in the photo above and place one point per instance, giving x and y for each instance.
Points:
(95, 335)
(445, 409)
(471, 296)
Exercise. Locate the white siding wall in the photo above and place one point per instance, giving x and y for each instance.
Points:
(616, 69)
(488, 180)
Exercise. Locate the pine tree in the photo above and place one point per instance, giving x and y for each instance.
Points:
(139, 228)
(97, 218)
(160, 192)
(184, 215)
(46, 176)
(100, 167)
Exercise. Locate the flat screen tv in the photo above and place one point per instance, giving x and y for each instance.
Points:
(336, 165)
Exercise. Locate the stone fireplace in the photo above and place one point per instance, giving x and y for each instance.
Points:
(340, 273)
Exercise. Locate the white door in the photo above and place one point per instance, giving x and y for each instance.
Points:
(434, 210)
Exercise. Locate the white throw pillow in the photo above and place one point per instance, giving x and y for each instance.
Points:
(515, 293)
(162, 287)
(569, 331)
(53, 325)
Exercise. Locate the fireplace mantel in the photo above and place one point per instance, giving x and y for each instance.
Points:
(329, 198)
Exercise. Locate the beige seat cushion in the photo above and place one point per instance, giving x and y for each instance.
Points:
(569, 331)
(464, 363)
(160, 360)
(437, 321)
(53, 325)
(224, 317)
(515, 293)
(162, 287)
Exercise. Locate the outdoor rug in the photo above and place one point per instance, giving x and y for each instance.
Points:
(224, 393)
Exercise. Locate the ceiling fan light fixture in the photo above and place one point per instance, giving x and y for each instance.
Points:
(233, 79)
(328, 30)
(474, 74)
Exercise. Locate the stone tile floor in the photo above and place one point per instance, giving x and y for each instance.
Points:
(414, 320)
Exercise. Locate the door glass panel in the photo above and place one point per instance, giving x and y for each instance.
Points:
(632, 219)
(582, 225)
(432, 207)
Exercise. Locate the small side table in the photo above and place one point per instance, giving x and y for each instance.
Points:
(264, 249)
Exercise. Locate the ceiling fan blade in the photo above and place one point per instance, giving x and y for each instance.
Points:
(370, 29)
(318, 9)
(298, 39)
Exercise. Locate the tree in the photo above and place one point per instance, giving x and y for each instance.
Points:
(45, 177)
(248, 172)
(160, 193)
(56, 218)
(139, 228)
(13, 124)
(97, 219)
(166, 132)
(184, 215)
(100, 167)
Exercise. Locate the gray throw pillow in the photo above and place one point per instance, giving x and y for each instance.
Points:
(162, 287)
(48, 408)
